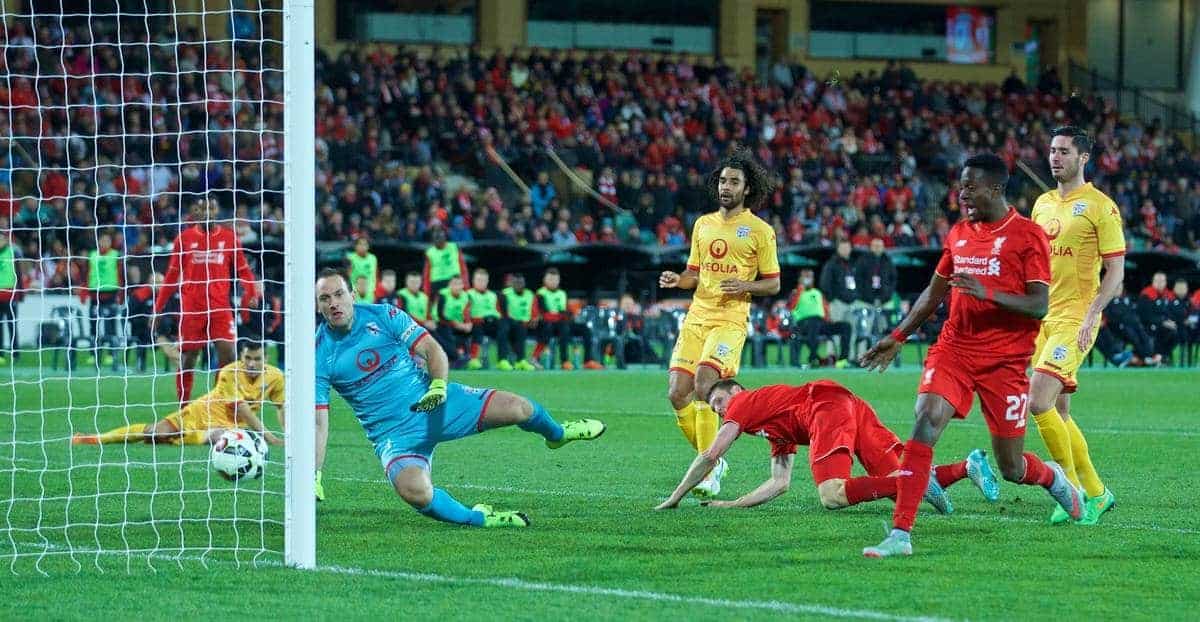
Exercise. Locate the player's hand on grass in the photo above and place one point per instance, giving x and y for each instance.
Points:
(669, 504)
(272, 439)
(969, 285)
(734, 286)
(434, 397)
(668, 279)
(880, 355)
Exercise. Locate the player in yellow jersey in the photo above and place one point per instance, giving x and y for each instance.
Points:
(235, 402)
(1084, 227)
(733, 257)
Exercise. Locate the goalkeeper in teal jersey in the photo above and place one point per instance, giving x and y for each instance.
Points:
(369, 354)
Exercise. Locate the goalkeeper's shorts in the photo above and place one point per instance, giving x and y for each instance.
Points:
(415, 434)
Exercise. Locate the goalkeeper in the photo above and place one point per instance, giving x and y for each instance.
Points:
(235, 402)
(370, 355)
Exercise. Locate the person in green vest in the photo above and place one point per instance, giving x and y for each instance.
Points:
(810, 322)
(9, 296)
(517, 311)
(555, 322)
(104, 294)
(485, 316)
(416, 302)
(443, 261)
(363, 265)
(453, 313)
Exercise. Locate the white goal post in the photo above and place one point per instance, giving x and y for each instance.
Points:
(299, 53)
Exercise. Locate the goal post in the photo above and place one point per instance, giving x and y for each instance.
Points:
(300, 544)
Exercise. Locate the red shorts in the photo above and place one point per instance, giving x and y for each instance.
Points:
(842, 423)
(1000, 382)
(199, 328)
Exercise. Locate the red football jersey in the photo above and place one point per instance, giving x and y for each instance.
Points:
(1004, 256)
(201, 268)
(781, 413)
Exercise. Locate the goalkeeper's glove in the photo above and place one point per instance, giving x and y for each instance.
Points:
(433, 398)
(320, 490)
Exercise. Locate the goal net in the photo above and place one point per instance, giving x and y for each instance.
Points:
(143, 230)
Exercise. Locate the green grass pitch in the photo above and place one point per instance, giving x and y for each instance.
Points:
(595, 550)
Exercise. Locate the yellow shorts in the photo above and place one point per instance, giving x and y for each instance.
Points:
(196, 419)
(1057, 352)
(714, 344)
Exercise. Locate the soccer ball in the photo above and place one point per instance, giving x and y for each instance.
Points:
(239, 454)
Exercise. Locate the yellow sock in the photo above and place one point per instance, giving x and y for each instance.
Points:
(1058, 440)
(707, 423)
(685, 418)
(124, 434)
(1083, 461)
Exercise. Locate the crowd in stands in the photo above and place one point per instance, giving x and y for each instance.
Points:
(116, 127)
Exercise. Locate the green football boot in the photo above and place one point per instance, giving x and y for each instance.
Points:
(492, 518)
(1095, 506)
(578, 430)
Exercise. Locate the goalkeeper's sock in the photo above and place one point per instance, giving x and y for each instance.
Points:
(133, 432)
(183, 386)
(859, 489)
(947, 474)
(1058, 441)
(1083, 461)
(707, 423)
(542, 423)
(685, 418)
(447, 509)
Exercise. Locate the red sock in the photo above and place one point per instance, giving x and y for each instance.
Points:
(183, 386)
(537, 350)
(474, 350)
(913, 479)
(1036, 472)
(947, 474)
(861, 489)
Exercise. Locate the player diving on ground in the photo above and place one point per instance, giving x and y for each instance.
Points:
(369, 355)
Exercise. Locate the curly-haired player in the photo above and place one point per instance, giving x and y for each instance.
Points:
(733, 257)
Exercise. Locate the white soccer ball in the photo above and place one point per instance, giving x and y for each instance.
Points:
(239, 454)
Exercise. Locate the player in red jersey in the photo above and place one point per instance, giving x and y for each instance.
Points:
(836, 424)
(995, 266)
(203, 260)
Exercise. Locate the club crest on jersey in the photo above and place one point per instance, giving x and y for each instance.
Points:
(1059, 354)
(367, 360)
(1079, 209)
(999, 243)
(372, 328)
(743, 232)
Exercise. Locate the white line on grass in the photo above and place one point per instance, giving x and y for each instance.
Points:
(514, 583)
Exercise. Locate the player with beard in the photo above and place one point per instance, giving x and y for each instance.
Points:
(733, 257)
(1084, 227)
(995, 267)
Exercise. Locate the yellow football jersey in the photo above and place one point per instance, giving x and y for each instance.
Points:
(1084, 228)
(741, 247)
(234, 385)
